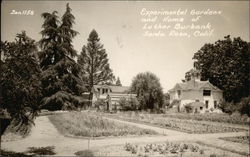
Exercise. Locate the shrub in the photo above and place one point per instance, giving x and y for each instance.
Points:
(128, 104)
(100, 104)
(42, 150)
(174, 103)
(13, 154)
(227, 107)
(85, 153)
(244, 106)
(188, 109)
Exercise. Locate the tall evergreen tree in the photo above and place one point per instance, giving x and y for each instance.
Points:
(118, 82)
(60, 79)
(19, 79)
(94, 62)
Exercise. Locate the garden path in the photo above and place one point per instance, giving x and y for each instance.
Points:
(45, 134)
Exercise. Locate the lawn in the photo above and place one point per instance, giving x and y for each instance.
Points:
(189, 125)
(93, 125)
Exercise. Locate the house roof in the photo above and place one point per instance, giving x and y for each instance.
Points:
(114, 89)
(194, 85)
(196, 104)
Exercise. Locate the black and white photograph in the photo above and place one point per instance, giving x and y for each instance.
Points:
(125, 78)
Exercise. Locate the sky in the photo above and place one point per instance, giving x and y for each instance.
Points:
(119, 26)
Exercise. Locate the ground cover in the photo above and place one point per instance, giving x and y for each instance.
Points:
(93, 125)
(166, 149)
(179, 124)
(214, 117)
(238, 139)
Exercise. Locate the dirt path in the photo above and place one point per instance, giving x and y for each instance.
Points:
(45, 134)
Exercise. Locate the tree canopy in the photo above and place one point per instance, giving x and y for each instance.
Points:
(94, 62)
(61, 82)
(148, 89)
(20, 73)
(118, 82)
(226, 65)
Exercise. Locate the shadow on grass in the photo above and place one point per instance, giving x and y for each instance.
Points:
(86, 153)
(49, 150)
(13, 154)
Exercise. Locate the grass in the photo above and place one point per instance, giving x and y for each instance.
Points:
(238, 139)
(179, 124)
(93, 125)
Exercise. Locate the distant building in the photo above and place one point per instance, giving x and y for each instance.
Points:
(198, 95)
(111, 95)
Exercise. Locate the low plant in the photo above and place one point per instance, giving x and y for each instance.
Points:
(49, 150)
(85, 153)
(93, 125)
(190, 125)
(238, 139)
(163, 148)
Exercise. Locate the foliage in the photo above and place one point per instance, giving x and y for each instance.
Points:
(213, 117)
(94, 62)
(166, 99)
(226, 65)
(242, 107)
(61, 82)
(19, 81)
(162, 148)
(184, 125)
(128, 104)
(85, 153)
(49, 150)
(237, 139)
(188, 108)
(100, 104)
(13, 154)
(175, 102)
(148, 89)
(118, 82)
(91, 124)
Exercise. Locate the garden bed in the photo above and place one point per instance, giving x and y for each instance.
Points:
(184, 125)
(166, 149)
(93, 125)
(238, 139)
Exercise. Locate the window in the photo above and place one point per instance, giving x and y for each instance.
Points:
(201, 108)
(206, 102)
(206, 92)
(215, 104)
(179, 93)
(197, 100)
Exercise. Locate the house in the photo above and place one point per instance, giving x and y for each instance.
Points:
(199, 96)
(110, 95)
